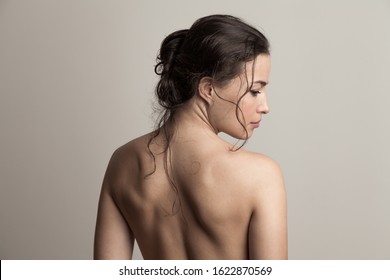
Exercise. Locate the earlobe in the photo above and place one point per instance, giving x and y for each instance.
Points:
(206, 90)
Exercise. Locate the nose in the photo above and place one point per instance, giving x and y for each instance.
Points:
(263, 106)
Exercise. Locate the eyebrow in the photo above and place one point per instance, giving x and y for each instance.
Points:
(263, 83)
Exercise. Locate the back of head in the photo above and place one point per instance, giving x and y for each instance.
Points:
(215, 46)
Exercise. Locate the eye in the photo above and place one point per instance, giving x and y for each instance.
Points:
(255, 92)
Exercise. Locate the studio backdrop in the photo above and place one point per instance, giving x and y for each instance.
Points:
(77, 81)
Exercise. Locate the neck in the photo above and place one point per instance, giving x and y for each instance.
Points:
(194, 115)
(191, 123)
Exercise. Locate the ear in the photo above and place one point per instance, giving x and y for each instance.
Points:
(206, 90)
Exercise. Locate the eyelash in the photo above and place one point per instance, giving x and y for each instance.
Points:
(255, 92)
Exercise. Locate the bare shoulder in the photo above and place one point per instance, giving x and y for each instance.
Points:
(267, 170)
(268, 225)
(126, 159)
(114, 238)
(268, 181)
(253, 176)
(261, 160)
(263, 171)
(131, 148)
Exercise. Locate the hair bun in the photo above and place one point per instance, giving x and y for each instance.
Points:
(169, 49)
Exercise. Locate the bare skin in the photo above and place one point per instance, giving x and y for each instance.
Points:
(227, 204)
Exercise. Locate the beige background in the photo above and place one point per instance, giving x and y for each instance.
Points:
(77, 80)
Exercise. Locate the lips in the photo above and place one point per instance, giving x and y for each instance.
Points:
(256, 124)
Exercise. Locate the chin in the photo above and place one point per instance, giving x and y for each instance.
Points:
(241, 136)
(246, 136)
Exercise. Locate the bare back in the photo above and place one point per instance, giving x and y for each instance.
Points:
(214, 208)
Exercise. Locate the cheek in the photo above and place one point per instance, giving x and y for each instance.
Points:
(247, 107)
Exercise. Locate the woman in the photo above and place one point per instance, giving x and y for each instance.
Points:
(182, 191)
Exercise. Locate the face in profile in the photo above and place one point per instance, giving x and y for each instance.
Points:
(239, 106)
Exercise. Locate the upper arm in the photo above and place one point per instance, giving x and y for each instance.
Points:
(268, 225)
(113, 237)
